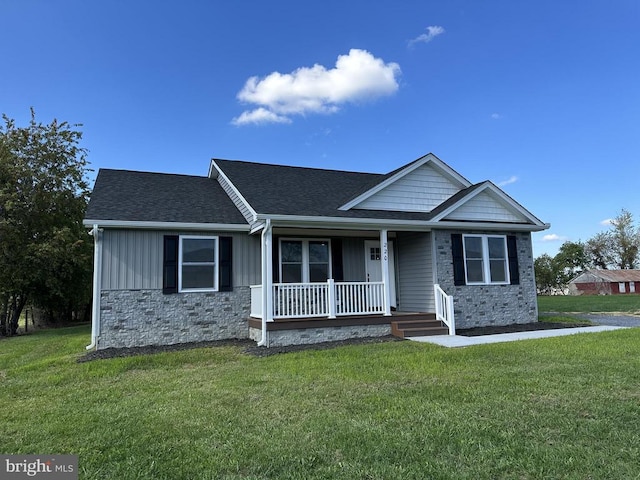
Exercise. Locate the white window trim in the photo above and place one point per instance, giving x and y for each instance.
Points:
(305, 256)
(216, 264)
(486, 264)
(622, 287)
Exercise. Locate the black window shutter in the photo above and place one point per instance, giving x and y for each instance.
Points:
(336, 259)
(170, 264)
(512, 251)
(225, 273)
(458, 259)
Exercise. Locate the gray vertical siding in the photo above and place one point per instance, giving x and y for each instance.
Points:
(132, 259)
(415, 272)
(353, 259)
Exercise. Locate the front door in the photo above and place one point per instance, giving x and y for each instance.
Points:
(373, 265)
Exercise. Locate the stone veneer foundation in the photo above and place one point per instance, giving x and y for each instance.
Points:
(486, 305)
(307, 336)
(134, 318)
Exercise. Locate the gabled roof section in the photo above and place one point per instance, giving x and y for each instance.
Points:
(484, 202)
(145, 197)
(419, 186)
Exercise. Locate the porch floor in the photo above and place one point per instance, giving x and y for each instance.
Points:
(403, 324)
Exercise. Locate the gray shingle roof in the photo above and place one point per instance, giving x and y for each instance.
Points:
(159, 197)
(302, 191)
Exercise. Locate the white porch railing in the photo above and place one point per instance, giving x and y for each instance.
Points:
(359, 298)
(444, 309)
(330, 299)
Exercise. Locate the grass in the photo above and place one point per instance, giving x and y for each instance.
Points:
(558, 408)
(590, 303)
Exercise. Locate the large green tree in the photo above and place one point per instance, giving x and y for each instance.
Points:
(45, 254)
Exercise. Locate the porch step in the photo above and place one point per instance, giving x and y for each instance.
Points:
(418, 328)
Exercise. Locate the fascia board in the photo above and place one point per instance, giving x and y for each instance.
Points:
(429, 158)
(219, 171)
(417, 225)
(134, 225)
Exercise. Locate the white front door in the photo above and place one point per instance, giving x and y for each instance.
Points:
(373, 265)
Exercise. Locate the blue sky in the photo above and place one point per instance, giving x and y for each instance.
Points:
(542, 98)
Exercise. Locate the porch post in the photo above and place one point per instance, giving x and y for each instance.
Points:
(386, 287)
(268, 281)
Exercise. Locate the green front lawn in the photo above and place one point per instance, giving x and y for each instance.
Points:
(629, 303)
(556, 408)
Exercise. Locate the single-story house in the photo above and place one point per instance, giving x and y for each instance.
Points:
(290, 255)
(605, 282)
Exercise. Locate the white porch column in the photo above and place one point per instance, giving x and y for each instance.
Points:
(266, 254)
(384, 254)
(268, 281)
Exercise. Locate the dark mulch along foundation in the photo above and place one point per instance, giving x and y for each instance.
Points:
(249, 346)
(519, 327)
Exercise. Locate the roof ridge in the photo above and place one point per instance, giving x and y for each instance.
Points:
(127, 170)
(298, 167)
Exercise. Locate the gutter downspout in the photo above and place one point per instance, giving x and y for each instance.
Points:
(266, 264)
(97, 276)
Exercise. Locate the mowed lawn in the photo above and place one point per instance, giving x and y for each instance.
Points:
(629, 303)
(557, 408)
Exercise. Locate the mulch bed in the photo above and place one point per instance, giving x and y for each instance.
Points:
(519, 327)
(249, 346)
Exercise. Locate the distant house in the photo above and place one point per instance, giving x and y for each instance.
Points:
(289, 255)
(605, 282)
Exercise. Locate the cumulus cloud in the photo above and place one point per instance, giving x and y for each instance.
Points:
(357, 76)
(508, 181)
(432, 32)
(552, 237)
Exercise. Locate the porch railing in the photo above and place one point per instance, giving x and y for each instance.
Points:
(444, 309)
(330, 299)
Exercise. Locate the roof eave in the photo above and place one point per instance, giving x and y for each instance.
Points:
(150, 225)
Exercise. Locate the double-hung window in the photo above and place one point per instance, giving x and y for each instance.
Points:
(486, 259)
(198, 264)
(303, 261)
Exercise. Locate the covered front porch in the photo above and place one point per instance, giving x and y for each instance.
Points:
(354, 284)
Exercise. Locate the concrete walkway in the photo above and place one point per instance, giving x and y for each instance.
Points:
(460, 341)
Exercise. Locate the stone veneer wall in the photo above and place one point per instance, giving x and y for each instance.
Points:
(484, 305)
(132, 318)
(306, 336)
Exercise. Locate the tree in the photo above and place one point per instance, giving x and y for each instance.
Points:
(569, 262)
(626, 240)
(546, 274)
(44, 250)
(599, 252)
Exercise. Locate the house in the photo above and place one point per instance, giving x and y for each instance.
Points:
(605, 282)
(288, 255)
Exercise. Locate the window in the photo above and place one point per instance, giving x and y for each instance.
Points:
(303, 261)
(485, 259)
(621, 288)
(197, 270)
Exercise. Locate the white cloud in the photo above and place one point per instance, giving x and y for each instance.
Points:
(356, 76)
(552, 237)
(508, 181)
(432, 32)
(259, 116)
(496, 116)
(607, 221)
